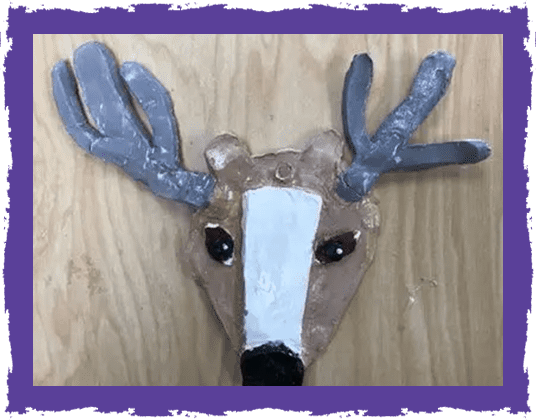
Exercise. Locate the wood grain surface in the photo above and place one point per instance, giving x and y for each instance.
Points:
(113, 304)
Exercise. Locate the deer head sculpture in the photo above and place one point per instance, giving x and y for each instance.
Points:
(280, 242)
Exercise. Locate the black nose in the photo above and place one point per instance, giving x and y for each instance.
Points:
(271, 364)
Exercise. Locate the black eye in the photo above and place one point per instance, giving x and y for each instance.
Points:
(336, 248)
(219, 244)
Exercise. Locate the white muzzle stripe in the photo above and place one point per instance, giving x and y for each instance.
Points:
(279, 226)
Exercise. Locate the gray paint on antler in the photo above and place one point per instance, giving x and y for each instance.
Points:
(388, 150)
(119, 136)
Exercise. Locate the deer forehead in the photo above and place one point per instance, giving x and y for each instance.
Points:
(316, 168)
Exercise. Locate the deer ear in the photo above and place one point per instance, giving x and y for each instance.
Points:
(328, 147)
(224, 150)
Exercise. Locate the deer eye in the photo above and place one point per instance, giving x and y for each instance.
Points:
(219, 244)
(336, 248)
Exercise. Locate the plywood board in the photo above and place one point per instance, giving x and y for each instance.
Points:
(113, 304)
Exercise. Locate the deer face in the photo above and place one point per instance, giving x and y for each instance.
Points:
(296, 251)
(279, 242)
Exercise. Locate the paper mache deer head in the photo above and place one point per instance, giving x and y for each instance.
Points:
(280, 242)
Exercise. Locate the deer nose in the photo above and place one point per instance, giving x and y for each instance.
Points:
(271, 364)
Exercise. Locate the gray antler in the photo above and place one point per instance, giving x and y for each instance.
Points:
(388, 149)
(119, 136)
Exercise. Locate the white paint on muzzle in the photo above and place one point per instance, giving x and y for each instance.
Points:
(279, 226)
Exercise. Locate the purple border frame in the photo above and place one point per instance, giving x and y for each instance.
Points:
(319, 400)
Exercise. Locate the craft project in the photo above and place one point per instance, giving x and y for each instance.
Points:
(280, 242)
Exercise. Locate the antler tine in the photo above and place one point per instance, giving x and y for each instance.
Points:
(389, 150)
(120, 137)
(358, 179)
(429, 86)
(353, 182)
(416, 157)
(354, 100)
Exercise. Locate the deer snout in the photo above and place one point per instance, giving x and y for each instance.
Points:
(271, 364)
